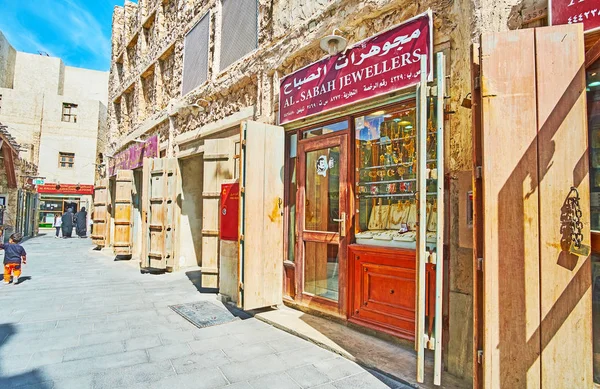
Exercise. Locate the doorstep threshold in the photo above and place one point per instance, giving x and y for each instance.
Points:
(388, 358)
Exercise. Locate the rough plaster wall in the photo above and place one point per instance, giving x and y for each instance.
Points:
(41, 73)
(190, 226)
(8, 57)
(501, 15)
(79, 138)
(86, 83)
(22, 113)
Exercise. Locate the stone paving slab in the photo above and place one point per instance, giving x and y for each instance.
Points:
(83, 321)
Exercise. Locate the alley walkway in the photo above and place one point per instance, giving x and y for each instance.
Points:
(80, 320)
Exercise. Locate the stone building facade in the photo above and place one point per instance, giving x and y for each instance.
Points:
(18, 199)
(148, 80)
(58, 115)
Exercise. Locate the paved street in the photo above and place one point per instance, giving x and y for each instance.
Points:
(80, 320)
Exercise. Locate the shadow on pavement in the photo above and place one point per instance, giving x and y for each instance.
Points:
(34, 377)
(23, 279)
(195, 277)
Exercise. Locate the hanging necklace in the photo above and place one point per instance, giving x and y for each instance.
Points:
(398, 209)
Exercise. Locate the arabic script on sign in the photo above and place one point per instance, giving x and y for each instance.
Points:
(381, 64)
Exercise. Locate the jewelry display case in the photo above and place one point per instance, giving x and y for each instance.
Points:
(386, 179)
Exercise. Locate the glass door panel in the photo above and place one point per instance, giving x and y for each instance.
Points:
(322, 204)
(322, 219)
(321, 270)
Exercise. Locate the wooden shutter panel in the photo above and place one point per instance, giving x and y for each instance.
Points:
(160, 214)
(100, 213)
(261, 250)
(537, 313)
(123, 213)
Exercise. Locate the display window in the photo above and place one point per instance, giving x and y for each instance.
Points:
(386, 179)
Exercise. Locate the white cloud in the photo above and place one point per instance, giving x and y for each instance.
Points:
(77, 33)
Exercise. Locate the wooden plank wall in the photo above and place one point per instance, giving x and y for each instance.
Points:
(218, 167)
(263, 218)
(566, 303)
(511, 232)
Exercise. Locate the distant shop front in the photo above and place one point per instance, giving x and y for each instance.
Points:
(56, 198)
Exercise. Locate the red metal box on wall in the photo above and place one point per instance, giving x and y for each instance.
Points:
(229, 211)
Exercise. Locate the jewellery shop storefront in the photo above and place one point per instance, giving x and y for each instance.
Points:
(364, 185)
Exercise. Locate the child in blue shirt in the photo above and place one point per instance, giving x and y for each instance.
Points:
(14, 254)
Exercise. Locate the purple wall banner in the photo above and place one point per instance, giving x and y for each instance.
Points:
(376, 66)
(133, 157)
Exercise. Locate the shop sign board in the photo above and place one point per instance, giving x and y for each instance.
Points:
(376, 66)
(39, 181)
(576, 11)
(67, 189)
(133, 156)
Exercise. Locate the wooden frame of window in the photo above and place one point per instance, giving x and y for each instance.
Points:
(66, 160)
(69, 113)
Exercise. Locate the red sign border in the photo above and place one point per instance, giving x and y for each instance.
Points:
(428, 13)
(550, 20)
(86, 189)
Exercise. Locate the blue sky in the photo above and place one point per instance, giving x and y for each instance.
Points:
(76, 31)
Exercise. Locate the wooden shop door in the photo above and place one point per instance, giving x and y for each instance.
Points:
(123, 238)
(101, 214)
(533, 313)
(160, 214)
(323, 223)
(261, 215)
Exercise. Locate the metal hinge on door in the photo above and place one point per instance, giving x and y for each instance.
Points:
(480, 357)
(480, 264)
(478, 172)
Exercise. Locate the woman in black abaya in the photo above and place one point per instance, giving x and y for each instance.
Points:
(81, 223)
(67, 223)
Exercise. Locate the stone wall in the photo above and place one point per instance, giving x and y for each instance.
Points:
(8, 57)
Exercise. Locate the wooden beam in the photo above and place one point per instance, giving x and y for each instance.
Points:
(9, 165)
(593, 54)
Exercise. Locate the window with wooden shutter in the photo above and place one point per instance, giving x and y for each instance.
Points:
(239, 30)
(195, 59)
(66, 160)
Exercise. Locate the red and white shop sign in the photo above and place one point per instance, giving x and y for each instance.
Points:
(378, 65)
(575, 11)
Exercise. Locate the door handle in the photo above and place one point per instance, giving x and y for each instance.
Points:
(342, 222)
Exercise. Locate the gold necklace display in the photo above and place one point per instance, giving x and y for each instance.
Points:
(400, 211)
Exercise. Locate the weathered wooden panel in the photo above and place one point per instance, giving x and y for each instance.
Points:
(218, 168)
(511, 230)
(123, 213)
(263, 215)
(100, 213)
(566, 303)
(160, 213)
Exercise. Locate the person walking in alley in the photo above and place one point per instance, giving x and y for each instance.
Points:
(67, 223)
(14, 255)
(57, 224)
(81, 223)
